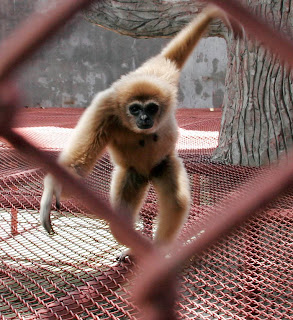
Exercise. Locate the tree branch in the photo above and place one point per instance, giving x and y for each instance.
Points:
(148, 18)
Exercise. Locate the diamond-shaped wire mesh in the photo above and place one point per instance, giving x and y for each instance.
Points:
(74, 275)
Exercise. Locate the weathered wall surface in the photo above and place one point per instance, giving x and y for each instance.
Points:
(84, 59)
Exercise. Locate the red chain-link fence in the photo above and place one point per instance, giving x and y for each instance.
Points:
(243, 274)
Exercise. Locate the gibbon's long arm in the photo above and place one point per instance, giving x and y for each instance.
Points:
(86, 144)
(90, 135)
(180, 48)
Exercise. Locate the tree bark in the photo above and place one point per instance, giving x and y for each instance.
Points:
(258, 111)
(148, 18)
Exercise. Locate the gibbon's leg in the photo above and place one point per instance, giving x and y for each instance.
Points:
(128, 189)
(171, 183)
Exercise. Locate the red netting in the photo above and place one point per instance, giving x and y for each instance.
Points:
(73, 274)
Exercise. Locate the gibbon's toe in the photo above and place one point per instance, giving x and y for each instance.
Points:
(48, 226)
(58, 204)
(125, 256)
(46, 219)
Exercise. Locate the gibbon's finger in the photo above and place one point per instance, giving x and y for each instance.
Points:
(58, 205)
(46, 201)
(213, 11)
(216, 12)
(45, 210)
(57, 191)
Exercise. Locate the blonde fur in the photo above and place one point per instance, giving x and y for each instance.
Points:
(140, 155)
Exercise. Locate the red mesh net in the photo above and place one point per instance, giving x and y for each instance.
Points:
(73, 274)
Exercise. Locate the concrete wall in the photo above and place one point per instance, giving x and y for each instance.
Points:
(84, 59)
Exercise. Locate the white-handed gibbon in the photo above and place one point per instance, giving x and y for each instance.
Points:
(135, 120)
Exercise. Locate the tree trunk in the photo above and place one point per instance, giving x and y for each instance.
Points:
(148, 18)
(258, 112)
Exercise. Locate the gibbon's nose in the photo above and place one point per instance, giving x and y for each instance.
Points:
(145, 119)
(145, 123)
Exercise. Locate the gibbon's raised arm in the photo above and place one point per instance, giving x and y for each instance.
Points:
(180, 48)
(86, 144)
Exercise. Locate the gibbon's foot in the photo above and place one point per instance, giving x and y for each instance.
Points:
(58, 204)
(125, 255)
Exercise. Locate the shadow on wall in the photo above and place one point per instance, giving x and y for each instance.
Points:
(85, 59)
(202, 81)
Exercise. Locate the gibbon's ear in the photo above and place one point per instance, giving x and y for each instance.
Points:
(86, 144)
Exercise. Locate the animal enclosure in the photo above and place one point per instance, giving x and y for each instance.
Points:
(243, 274)
(75, 273)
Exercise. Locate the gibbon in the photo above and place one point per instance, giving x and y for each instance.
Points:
(135, 120)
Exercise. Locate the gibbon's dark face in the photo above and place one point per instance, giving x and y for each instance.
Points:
(143, 102)
(144, 113)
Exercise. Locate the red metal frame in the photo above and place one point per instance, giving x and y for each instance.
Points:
(155, 291)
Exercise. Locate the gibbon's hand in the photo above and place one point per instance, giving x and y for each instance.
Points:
(51, 188)
(217, 12)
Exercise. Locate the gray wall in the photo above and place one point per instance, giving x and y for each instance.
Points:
(84, 59)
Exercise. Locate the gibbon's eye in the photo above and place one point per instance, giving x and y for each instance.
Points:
(134, 109)
(152, 108)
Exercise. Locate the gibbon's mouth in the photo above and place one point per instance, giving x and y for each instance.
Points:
(144, 126)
